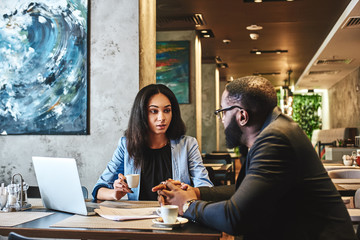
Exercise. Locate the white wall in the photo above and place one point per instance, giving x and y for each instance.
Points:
(114, 82)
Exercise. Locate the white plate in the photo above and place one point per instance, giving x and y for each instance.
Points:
(179, 221)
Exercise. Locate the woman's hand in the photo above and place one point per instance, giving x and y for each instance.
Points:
(120, 187)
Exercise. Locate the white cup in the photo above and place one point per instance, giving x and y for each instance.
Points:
(348, 160)
(168, 213)
(132, 180)
(3, 199)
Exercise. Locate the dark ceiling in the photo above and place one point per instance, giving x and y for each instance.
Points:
(298, 26)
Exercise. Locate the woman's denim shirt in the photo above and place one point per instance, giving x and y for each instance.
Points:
(187, 166)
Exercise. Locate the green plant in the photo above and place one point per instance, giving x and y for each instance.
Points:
(305, 112)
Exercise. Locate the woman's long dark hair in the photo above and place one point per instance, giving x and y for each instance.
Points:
(137, 132)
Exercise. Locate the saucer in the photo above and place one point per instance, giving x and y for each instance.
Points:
(179, 221)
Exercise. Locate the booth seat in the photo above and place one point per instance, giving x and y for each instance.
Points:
(327, 138)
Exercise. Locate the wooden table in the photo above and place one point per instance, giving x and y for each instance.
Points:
(219, 166)
(40, 228)
(330, 167)
(346, 186)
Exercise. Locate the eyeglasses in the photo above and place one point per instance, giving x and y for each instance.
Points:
(220, 112)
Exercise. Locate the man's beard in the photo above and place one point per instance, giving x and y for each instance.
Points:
(233, 134)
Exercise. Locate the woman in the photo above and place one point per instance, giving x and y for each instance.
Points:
(155, 147)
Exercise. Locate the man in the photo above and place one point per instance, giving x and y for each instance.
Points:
(282, 191)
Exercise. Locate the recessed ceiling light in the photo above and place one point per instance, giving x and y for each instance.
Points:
(278, 51)
(206, 33)
(226, 41)
(254, 27)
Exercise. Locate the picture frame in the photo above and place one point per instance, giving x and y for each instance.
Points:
(44, 82)
(173, 67)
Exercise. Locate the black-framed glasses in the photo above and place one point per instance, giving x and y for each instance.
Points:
(220, 112)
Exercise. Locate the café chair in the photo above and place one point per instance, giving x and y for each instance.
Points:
(220, 177)
(355, 212)
(344, 173)
(341, 167)
(16, 236)
(34, 192)
(85, 192)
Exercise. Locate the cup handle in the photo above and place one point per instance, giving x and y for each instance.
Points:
(158, 211)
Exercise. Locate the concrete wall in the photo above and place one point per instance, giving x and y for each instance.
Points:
(222, 142)
(114, 82)
(208, 107)
(344, 102)
(187, 110)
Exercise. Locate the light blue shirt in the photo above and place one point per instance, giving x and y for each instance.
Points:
(187, 166)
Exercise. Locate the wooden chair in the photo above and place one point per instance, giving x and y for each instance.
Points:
(355, 212)
(34, 192)
(220, 177)
(349, 174)
(344, 173)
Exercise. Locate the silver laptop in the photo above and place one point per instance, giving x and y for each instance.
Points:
(59, 185)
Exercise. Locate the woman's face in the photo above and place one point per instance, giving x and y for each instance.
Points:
(159, 113)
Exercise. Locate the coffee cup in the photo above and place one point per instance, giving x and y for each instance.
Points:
(347, 160)
(168, 213)
(3, 199)
(132, 180)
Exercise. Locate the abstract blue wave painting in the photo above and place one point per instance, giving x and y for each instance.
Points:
(43, 67)
(172, 67)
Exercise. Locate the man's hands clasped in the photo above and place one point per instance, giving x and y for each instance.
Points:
(175, 193)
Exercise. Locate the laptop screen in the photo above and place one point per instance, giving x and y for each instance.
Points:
(59, 184)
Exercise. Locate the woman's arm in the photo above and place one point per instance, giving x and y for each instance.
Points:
(104, 188)
(198, 173)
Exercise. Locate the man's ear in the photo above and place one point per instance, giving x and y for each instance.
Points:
(242, 117)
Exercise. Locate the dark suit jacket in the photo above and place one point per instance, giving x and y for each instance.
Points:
(282, 192)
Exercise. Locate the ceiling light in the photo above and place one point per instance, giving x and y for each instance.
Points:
(254, 27)
(258, 1)
(226, 41)
(278, 51)
(254, 36)
(206, 33)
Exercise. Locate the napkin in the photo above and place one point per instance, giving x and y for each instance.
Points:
(119, 214)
